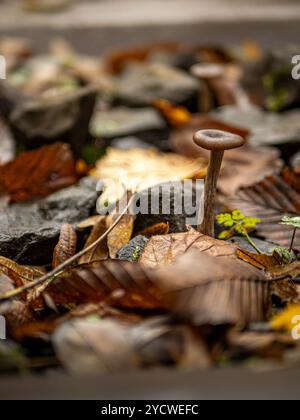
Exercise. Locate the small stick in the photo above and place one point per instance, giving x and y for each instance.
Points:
(293, 240)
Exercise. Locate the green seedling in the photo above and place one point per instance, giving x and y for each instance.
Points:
(239, 224)
(295, 223)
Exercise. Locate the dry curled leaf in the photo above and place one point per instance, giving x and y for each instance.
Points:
(270, 200)
(20, 274)
(39, 172)
(120, 235)
(163, 250)
(138, 169)
(66, 246)
(101, 251)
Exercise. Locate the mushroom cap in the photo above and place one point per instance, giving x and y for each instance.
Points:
(218, 140)
(208, 71)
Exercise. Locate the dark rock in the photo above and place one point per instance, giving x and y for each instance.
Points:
(154, 202)
(146, 124)
(35, 122)
(128, 143)
(133, 250)
(29, 231)
(141, 84)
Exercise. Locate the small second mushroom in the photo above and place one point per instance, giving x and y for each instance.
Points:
(217, 142)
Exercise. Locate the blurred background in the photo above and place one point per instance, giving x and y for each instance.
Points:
(97, 24)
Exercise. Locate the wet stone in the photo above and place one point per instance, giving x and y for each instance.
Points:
(141, 85)
(35, 122)
(29, 231)
(146, 124)
(165, 207)
(133, 250)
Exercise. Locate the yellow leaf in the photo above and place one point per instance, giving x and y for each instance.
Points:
(138, 169)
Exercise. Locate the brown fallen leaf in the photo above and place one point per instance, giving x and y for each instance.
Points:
(39, 172)
(210, 290)
(163, 250)
(20, 274)
(155, 230)
(204, 289)
(270, 200)
(123, 285)
(292, 177)
(101, 251)
(261, 261)
(288, 270)
(66, 246)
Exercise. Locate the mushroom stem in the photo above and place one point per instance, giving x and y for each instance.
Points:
(210, 189)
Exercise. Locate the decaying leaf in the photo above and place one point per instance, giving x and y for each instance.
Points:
(138, 169)
(270, 200)
(66, 246)
(39, 172)
(163, 250)
(101, 251)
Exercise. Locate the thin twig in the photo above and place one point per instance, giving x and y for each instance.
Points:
(52, 275)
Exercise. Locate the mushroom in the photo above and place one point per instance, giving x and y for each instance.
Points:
(209, 74)
(224, 80)
(217, 142)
